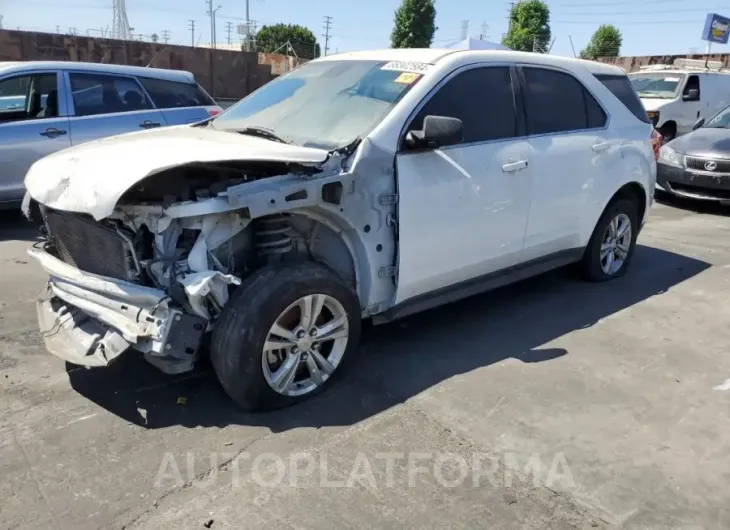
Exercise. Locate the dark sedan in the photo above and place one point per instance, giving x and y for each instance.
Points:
(697, 165)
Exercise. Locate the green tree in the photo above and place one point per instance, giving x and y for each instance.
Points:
(414, 24)
(605, 42)
(529, 27)
(272, 38)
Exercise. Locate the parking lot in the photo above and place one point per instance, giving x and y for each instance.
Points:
(596, 406)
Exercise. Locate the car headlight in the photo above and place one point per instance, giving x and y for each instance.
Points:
(669, 156)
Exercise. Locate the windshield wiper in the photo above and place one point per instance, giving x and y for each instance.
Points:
(262, 132)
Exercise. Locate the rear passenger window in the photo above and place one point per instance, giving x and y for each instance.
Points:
(557, 102)
(171, 94)
(482, 98)
(621, 87)
(103, 94)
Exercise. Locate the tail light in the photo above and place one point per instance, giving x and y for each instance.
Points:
(214, 111)
(656, 142)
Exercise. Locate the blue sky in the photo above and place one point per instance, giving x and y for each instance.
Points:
(649, 27)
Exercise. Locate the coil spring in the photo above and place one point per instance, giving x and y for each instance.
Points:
(272, 235)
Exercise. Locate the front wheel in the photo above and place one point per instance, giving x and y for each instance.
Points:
(286, 334)
(612, 244)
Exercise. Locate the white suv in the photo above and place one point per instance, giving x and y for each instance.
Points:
(362, 185)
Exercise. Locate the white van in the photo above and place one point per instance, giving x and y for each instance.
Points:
(675, 97)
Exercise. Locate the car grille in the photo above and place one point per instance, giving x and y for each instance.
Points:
(698, 164)
(90, 246)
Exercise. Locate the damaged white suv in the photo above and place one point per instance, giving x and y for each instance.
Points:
(370, 184)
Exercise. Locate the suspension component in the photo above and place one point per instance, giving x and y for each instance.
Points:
(272, 235)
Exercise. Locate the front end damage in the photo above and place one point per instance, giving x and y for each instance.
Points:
(155, 274)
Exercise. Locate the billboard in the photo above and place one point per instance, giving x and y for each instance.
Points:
(717, 28)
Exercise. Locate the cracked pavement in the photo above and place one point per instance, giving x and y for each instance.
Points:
(549, 404)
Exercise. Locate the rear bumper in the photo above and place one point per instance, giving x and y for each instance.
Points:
(90, 320)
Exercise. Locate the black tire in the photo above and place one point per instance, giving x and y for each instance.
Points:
(591, 263)
(243, 326)
(668, 132)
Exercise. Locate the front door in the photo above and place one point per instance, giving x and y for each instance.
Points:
(462, 209)
(107, 105)
(33, 124)
(692, 105)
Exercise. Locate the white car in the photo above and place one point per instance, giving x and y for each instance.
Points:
(361, 185)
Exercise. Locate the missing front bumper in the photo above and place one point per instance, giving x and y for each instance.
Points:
(90, 320)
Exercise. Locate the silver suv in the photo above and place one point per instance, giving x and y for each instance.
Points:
(48, 106)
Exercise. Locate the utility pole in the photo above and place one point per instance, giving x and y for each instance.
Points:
(191, 26)
(484, 35)
(1, 22)
(72, 31)
(58, 28)
(166, 35)
(229, 29)
(327, 27)
(212, 13)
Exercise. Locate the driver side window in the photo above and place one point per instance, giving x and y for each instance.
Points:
(482, 98)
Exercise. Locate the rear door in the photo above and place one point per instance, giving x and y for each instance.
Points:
(572, 147)
(33, 124)
(108, 104)
(180, 102)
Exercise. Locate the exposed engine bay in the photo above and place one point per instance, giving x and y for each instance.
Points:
(156, 273)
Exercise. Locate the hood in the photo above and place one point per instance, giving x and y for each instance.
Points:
(654, 103)
(712, 142)
(92, 177)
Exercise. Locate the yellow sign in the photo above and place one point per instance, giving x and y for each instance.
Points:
(407, 78)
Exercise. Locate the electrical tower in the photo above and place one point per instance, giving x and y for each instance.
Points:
(191, 26)
(1, 22)
(327, 28)
(166, 35)
(120, 25)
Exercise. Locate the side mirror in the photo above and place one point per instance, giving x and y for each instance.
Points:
(438, 131)
(693, 94)
(699, 123)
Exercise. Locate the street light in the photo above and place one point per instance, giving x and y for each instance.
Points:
(212, 13)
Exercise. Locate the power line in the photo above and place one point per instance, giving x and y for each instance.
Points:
(613, 13)
(327, 27)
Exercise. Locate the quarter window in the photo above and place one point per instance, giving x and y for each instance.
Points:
(103, 94)
(171, 94)
(557, 102)
(482, 98)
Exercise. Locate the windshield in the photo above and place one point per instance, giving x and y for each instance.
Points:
(721, 120)
(324, 104)
(657, 85)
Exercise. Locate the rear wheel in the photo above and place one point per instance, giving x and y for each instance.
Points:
(609, 252)
(287, 333)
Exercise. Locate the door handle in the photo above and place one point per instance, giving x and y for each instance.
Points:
(599, 148)
(514, 166)
(52, 132)
(148, 124)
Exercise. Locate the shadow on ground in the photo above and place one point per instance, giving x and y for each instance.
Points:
(694, 205)
(401, 359)
(15, 226)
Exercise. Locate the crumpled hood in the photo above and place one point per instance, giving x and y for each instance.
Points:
(92, 177)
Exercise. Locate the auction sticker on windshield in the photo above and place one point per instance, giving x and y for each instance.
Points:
(406, 78)
(407, 66)
(671, 79)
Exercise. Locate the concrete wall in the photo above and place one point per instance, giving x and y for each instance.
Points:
(632, 64)
(223, 73)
